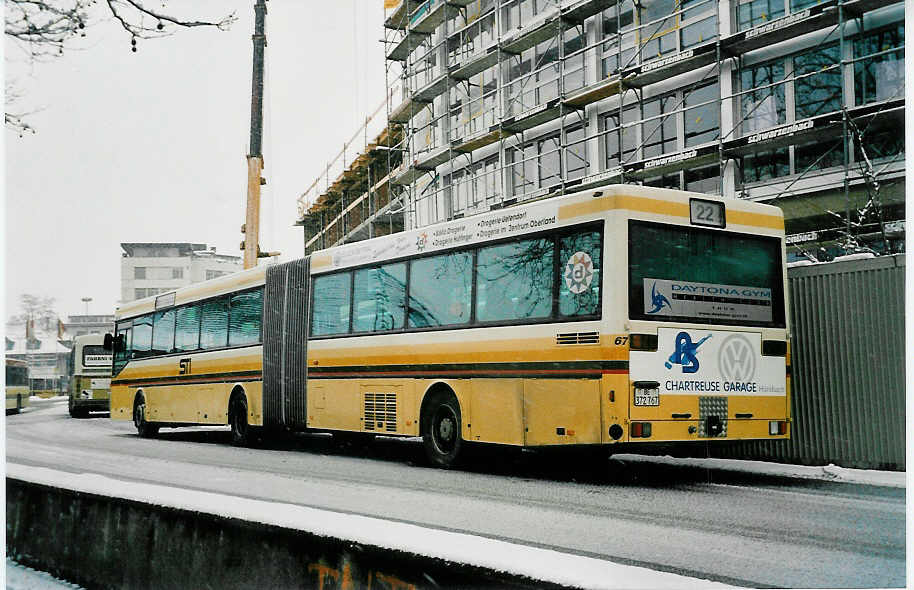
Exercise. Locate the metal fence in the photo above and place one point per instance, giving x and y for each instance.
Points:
(848, 370)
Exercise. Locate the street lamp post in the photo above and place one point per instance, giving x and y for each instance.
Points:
(86, 300)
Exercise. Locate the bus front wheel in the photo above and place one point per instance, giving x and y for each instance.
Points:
(441, 430)
(143, 428)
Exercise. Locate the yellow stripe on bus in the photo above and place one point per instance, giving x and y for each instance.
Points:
(661, 207)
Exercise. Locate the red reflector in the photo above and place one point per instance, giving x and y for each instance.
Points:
(636, 429)
(782, 428)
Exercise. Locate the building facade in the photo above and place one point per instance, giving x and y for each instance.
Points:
(48, 357)
(796, 103)
(152, 268)
(80, 325)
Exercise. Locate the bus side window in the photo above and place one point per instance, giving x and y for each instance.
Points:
(439, 290)
(214, 329)
(332, 295)
(245, 318)
(142, 337)
(163, 332)
(380, 298)
(514, 281)
(187, 328)
(579, 274)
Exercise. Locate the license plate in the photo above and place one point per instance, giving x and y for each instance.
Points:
(647, 399)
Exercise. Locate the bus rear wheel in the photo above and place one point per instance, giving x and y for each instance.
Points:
(18, 404)
(238, 420)
(441, 430)
(143, 428)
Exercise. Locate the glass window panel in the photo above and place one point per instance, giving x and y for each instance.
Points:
(659, 133)
(757, 12)
(885, 143)
(766, 165)
(439, 290)
(576, 153)
(514, 281)
(579, 284)
(246, 317)
(332, 295)
(550, 169)
(142, 336)
(122, 345)
(380, 298)
(765, 107)
(703, 180)
(214, 328)
(696, 33)
(702, 123)
(817, 156)
(820, 92)
(163, 333)
(702, 256)
(187, 328)
(881, 77)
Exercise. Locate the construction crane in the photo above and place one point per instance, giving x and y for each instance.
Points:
(251, 227)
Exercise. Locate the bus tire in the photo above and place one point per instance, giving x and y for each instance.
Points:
(441, 429)
(143, 428)
(18, 404)
(242, 433)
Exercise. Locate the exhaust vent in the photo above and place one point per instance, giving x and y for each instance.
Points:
(578, 338)
(380, 412)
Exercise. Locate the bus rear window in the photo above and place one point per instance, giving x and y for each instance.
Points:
(696, 275)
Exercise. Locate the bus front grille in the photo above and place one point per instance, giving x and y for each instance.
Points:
(380, 412)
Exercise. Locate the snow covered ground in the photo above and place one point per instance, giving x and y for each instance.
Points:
(893, 479)
(540, 564)
(20, 577)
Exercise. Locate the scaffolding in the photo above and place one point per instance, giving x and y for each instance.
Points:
(494, 102)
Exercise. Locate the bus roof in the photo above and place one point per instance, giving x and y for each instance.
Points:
(196, 291)
(671, 206)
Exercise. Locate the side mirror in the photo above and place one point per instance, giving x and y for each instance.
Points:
(109, 342)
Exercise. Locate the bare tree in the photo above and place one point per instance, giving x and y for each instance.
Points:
(42, 29)
(36, 308)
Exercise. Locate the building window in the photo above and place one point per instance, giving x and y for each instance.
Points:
(576, 153)
(702, 115)
(139, 272)
(214, 274)
(817, 86)
(763, 104)
(659, 127)
(766, 165)
(751, 13)
(177, 273)
(611, 134)
(880, 74)
(549, 164)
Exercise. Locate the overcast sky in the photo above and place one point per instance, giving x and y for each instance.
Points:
(150, 146)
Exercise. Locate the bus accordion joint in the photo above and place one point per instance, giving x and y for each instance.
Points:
(643, 342)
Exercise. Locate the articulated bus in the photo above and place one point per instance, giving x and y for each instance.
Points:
(90, 385)
(17, 384)
(623, 314)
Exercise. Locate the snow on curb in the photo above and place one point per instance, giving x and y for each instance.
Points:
(536, 563)
(20, 577)
(893, 479)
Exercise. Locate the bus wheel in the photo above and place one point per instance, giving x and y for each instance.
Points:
(238, 419)
(441, 430)
(143, 428)
(18, 403)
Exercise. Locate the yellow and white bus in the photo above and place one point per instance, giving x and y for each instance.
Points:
(17, 384)
(90, 384)
(623, 314)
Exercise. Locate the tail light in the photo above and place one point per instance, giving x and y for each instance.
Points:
(776, 427)
(641, 429)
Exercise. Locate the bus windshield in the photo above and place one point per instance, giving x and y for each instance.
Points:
(697, 275)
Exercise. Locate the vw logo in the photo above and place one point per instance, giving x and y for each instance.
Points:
(736, 359)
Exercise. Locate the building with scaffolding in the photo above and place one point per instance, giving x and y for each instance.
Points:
(490, 103)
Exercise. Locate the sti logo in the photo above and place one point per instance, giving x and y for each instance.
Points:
(685, 353)
(658, 300)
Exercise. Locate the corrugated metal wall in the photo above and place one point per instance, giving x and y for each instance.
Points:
(848, 367)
